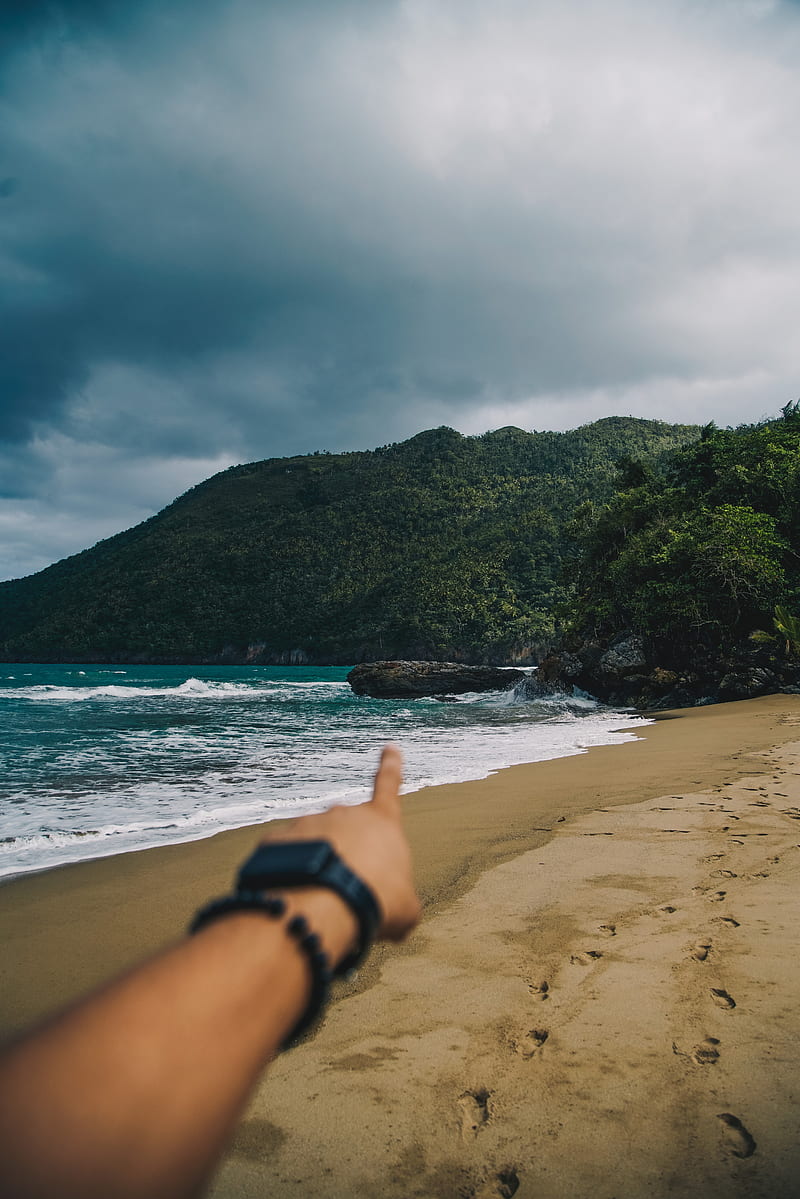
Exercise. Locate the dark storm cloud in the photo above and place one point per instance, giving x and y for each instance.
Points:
(242, 229)
(20, 19)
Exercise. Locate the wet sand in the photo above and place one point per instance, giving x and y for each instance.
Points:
(600, 1001)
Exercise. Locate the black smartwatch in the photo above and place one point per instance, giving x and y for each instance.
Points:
(314, 864)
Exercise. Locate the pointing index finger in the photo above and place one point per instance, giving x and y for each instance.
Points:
(386, 792)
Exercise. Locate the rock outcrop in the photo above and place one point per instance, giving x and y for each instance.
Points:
(622, 672)
(746, 681)
(410, 680)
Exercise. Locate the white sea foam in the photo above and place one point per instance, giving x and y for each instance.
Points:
(192, 688)
(312, 685)
(159, 760)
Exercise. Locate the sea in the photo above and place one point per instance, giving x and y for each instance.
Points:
(98, 760)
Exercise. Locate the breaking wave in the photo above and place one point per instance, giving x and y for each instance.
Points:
(196, 688)
(96, 764)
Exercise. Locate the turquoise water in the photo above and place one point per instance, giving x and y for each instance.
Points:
(101, 759)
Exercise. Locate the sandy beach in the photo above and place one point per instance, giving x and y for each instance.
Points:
(600, 1001)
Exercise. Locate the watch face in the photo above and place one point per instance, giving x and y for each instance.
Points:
(287, 863)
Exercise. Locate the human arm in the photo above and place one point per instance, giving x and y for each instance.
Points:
(133, 1092)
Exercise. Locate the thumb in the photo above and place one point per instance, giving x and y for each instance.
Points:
(386, 791)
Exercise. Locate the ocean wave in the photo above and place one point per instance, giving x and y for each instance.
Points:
(576, 704)
(340, 686)
(569, 705)
(192, 688)
(46, 848)
(161, 758)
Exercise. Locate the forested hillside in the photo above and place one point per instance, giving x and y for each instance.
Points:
(687, 585)
(442, 546)
(698, 554)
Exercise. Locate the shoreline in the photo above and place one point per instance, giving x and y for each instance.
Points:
(252, 752)
(70, 913)
(611, 942)
(629, 730)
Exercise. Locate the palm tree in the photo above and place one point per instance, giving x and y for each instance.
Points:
(789, 627)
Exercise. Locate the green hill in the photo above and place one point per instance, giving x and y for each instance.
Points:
(696, 557)
(442, 546)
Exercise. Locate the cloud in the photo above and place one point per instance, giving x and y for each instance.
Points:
(243, 229)
(70, 494)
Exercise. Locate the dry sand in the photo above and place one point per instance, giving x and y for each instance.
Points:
(601, 1000)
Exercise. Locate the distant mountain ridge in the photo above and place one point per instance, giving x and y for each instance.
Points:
(440, 547)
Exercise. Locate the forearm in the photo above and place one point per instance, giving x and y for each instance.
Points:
(133, 1093)
(185, 1034)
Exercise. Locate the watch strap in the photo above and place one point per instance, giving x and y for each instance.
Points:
(315, 864)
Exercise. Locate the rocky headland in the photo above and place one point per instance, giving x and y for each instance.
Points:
(623, 672)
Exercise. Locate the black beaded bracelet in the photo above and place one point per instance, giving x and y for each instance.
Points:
(297, 928)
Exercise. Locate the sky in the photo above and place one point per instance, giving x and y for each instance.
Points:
(240, 229)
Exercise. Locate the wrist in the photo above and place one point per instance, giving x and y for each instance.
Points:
(330, 914)
(242, 911)
(310, 864)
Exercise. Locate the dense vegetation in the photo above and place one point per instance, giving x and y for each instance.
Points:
(442, 546)
(694, 556)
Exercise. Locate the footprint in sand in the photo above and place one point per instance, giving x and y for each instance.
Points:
(608, 930)
(533, 1040)
(586, 958)
(500, 1186)
(727, 920)
(706, 1053)
(668, 909)
(474, 1109)
(725, 874)
(722, 998)
(717, 896)
(540, 990)
(700, 950)
(737, 1138)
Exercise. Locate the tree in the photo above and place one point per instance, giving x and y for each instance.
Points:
(697, 554)
(789, 628)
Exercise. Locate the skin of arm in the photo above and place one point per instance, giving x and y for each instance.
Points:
(133, 1092)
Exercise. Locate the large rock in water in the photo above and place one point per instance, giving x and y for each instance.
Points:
(409, 680)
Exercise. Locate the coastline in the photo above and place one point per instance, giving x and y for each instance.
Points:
(101, 765)
(73, 913)
(519, 872)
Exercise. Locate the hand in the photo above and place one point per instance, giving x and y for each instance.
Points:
(199, 1019)
(370, 839)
